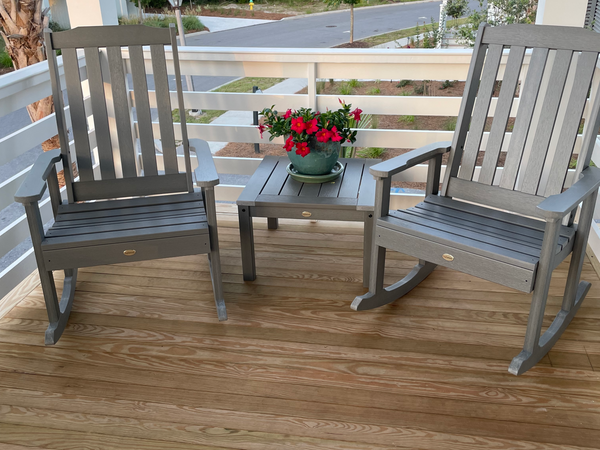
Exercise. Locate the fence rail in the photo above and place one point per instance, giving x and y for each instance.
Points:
(25, 86)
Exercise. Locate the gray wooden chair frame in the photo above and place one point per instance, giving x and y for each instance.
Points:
(505, 226)
(166, 217)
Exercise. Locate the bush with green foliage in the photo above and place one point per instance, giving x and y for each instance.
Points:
(504, 12)
(403, 83)
(190, 23)
(5, 60)
(447, 84)
(457, 8)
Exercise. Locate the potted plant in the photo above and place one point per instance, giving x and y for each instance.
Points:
(313, 139)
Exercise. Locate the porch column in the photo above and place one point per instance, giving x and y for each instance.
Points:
(92, 12)
(561, 12)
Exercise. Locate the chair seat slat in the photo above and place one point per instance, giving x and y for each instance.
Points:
(528, 98)
(501, 115)
(97, 97)
(121, 106)
(570, 126)
(78, 115)
(545, 126)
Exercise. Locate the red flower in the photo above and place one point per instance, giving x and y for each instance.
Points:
(311, 126)
(356, 113)
(289, 144)
(261, 130)
(287, 114)
(323, 135)
(298, 125)
(302, 149)
(335, 136)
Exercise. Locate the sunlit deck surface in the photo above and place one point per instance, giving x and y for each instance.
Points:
(144, 363)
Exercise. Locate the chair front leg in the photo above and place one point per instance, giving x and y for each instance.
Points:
(532, 351)
(214, 257)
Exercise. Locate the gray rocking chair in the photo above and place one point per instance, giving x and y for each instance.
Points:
(513, 225)
(122, 208)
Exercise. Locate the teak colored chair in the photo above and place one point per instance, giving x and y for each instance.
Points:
(511, 225)
(122, 207)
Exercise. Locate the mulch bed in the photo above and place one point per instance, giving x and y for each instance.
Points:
(432, 88)
(4, 70)
(355, 44)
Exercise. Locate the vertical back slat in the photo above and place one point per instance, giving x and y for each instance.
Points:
(59, 107)
(545, 127)
(78, 116)
(163, 103)
(501, 115)
(142, 109)
(480, 112)
(570, 126)
(527, 102)
(184, 135)
(466, 106)
(121, 106)
(105, 154)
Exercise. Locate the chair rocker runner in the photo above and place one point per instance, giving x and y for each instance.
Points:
(504, 224)
(123, 207)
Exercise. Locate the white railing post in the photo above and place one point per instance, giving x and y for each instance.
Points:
(312, 86)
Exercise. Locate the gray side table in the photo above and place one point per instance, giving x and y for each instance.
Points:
(273, 194)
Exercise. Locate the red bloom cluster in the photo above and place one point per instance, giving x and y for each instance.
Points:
(303, 127)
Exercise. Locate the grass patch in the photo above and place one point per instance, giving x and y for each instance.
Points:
(407, 119)
(374, 91)
(245, 84)
(370, 152)
(190, 23)
(450, 124)
(354, 83)
(207, 116)
(345, 89)
(395, 35)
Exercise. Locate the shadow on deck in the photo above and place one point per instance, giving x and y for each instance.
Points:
(144, 363)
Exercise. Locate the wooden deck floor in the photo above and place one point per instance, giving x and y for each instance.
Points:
(144, 363)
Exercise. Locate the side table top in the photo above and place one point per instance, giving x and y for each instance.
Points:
(272, 185)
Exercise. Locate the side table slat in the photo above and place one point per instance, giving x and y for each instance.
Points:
(310, 190)
(332, 188)
(256, 183)
(366, 192)
(352, 179)
(291, 187)
(275, 183)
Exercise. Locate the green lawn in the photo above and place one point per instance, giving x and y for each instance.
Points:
(407, 32)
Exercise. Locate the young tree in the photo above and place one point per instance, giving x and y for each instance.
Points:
(21, 26)
(335, 3)
(457, 8)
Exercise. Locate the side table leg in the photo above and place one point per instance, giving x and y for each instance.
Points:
(367, 243)
(272, 223)
(247, 242)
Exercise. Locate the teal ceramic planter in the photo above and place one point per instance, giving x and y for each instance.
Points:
(320, 160)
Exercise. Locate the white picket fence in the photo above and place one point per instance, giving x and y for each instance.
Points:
(25, 86)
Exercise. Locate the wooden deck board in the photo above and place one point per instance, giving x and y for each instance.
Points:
(145, 364)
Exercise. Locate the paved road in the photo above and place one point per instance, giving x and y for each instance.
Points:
(325, 30)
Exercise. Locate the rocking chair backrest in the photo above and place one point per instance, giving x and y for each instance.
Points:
(551, 104)
(115, 171)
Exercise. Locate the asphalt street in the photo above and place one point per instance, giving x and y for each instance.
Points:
(326, 29)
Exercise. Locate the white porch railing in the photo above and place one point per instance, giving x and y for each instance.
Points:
(20, 88)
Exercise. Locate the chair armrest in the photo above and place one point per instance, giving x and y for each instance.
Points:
(34, 186)
(417, 156)
(559, 205)
(206, 172)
